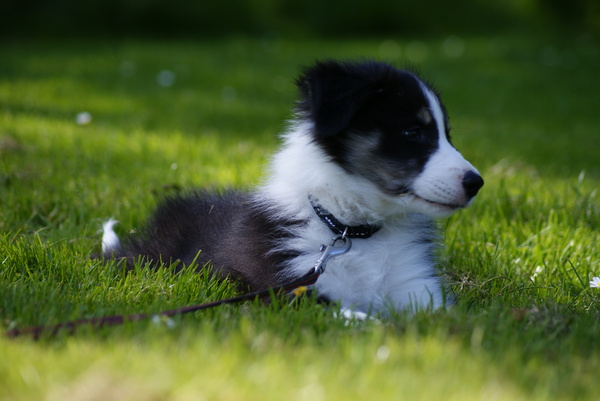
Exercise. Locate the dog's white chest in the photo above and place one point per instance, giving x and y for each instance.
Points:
(391, 270)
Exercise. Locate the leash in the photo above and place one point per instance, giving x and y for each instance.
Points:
(297, 286)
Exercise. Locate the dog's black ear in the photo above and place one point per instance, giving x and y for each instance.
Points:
(331, 93)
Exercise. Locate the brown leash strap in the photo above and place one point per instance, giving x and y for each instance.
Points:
(328, 251)
(36, 331)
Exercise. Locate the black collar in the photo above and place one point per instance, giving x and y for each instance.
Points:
(361, 231)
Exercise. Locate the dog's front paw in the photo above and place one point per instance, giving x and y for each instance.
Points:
(352, 315)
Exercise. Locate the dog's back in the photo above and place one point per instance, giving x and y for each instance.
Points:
(225, 231)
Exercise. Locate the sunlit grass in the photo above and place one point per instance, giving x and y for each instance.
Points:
(519, 259)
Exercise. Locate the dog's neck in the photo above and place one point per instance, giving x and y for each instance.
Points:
(302, 169)
(337, 227)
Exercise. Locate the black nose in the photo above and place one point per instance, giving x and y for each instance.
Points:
(471, 182)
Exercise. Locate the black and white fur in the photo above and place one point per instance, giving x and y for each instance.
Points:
(369, 143)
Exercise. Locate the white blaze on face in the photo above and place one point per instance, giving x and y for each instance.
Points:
(440, 183)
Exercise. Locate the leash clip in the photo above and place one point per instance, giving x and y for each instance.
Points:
(332, 250)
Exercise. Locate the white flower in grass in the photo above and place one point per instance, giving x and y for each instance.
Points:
(83, 118)
(595, 283)
(166, 78)
(160, 320)
(538, 270)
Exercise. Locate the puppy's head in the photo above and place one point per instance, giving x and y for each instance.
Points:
(389, 127)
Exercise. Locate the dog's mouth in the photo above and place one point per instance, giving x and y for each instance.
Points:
(448, 206)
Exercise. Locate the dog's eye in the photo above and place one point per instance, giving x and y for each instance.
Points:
(412, 133)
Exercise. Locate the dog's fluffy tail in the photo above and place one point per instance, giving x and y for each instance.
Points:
(110, 240)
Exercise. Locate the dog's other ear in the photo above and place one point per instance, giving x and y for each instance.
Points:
(331, 93)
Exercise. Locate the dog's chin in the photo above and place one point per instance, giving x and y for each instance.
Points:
(436, 210)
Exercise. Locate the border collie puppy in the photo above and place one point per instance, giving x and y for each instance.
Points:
(368, 153)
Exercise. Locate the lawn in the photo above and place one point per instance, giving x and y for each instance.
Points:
(171, 116)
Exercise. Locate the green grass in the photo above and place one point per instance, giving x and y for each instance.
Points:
(524, 111)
